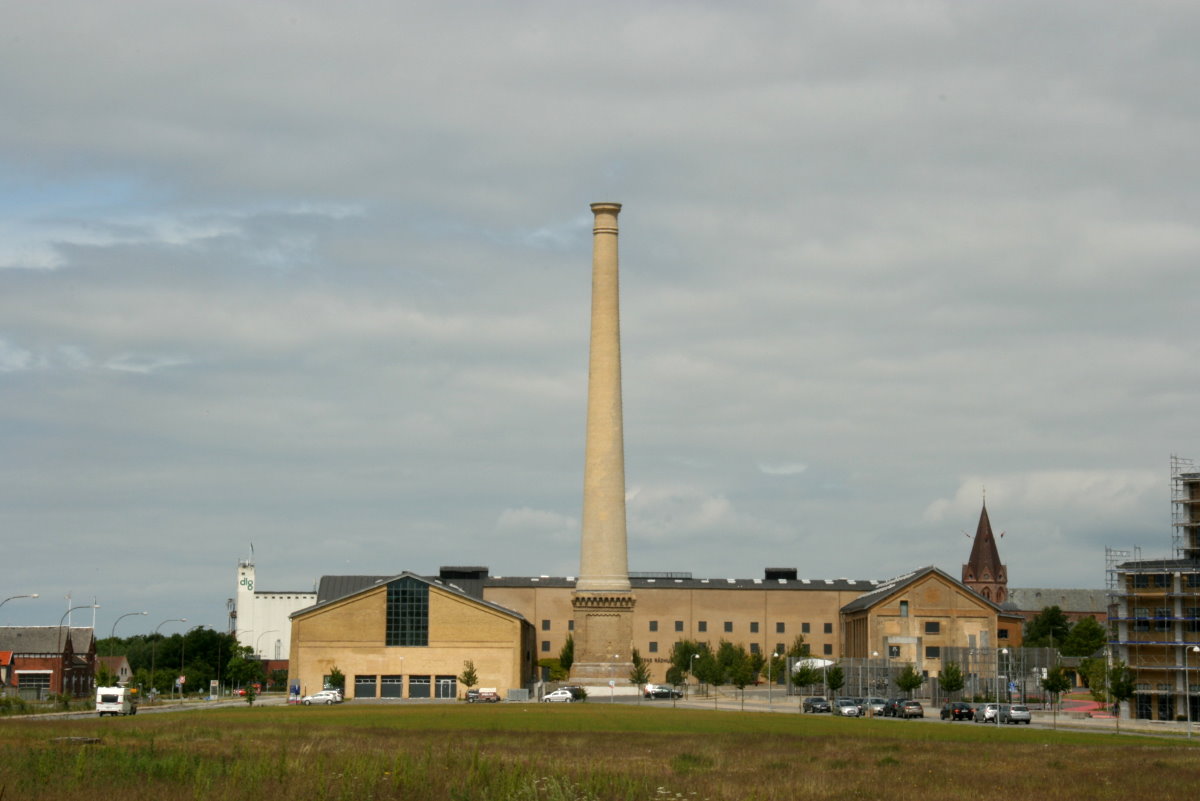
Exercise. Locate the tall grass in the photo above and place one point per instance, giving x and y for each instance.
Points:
(584, 752)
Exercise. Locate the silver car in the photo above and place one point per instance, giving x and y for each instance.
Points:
(846, 707)
(1015, 713)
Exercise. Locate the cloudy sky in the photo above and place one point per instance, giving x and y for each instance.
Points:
(316, 276)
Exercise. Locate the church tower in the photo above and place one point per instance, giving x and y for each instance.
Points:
(983, 572)
(603, 600)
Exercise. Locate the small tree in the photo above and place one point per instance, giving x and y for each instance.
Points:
(250, 694)
(707, 670)
(835, 678)
(805, 675)
(777, 667)
(566, 656)
(468, 678)
(1095, 675)
(640, 674)
(1121, 686)
(909, 679)
(799, 648)
(337, 680)
(1056, 681)
(684, 655)
(737, 667)
(951, 678)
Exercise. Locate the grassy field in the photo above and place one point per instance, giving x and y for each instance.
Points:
(576, 751)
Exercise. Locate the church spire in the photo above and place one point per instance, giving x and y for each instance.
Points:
(983, 571)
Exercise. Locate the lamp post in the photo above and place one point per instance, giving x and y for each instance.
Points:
(691, 668)
(113, 634)
(258, 640)
(770, 684)
(61, 646)
(870, 686)
(182, 652)
(154, 646)
(1002, 652)
(14, 597)
(1187, 687)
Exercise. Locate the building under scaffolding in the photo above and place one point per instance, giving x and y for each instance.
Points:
(1154, 610)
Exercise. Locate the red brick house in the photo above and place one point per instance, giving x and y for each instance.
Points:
(49, 659)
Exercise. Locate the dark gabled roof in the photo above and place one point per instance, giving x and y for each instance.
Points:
(330, 588)
(1031, 598)
(81, 639)
(670, 583)
(336, 588)
(1143, 565)
(892, 586)
(44, 639)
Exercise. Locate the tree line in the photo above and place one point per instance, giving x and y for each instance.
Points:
(201, 655)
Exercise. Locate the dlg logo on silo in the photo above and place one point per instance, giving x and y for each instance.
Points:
(247, 582)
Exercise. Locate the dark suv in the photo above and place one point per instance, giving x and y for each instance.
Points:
(957, 710)
(891, 709)
(815, 704)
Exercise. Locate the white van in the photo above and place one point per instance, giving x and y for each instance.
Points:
(116, 701)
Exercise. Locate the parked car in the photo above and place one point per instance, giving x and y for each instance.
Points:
(891, 707)
(957, 710)
(846, 707)
(484, 695)
(1015, 713)
(911, 709)
(875, 705)
(322, 697)
(985, 713)
(662, 691)
(815, 704)
(563, 696)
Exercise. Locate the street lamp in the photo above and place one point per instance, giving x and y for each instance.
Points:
(182, 652)
(1187, 688)
(870, 686)
(61, 644)
(14, 597)
(770, 685)
(1002, 652)
(258, 641)
(154, 646)
(113, 634)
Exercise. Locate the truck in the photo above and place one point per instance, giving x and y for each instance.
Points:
(116, 701)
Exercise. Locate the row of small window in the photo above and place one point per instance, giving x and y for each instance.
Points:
(755, 648)
(1163, 580)
(702, 626)
(375, 686)
(1161, 620)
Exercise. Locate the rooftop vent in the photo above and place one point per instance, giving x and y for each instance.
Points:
(780, 573)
